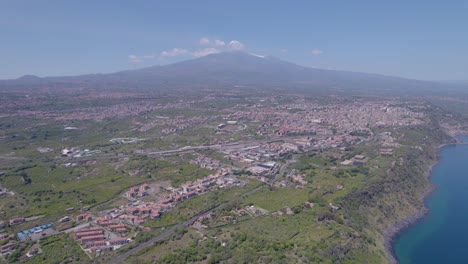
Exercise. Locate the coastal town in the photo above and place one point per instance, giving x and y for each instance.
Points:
(233, 132)
(257, 142)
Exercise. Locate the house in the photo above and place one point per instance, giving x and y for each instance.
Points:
(289, 211)
(32, 252)
(88, 229)
(138, 221)
(191, 194)
(144, 187)
(333, 207)
(100, 248)
(258, 170)
(277, 213)
(133, 210)
(84, 217)
(386, 152)
(116, 225)
(100, 219)
(7, 247)
(4, 236)
(156, 214)
(64, 219)
(359, 157)
(347, 162)
(121, 230)
(96, 243)
(88, 239)
(290, 146)
(145, 210)
(167, 201)
(89, 233)
(66, 151)
(105, 223)
(18, 220)
(142, 194)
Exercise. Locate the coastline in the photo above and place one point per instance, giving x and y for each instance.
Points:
(399, 227)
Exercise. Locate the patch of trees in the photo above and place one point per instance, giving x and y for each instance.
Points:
(360, 133)
(26, 178)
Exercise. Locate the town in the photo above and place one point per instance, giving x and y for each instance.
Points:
(257, 142)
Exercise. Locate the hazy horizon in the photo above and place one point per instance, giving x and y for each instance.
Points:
(243, 51)
(416, 40)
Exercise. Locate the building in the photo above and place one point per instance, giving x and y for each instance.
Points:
(359, 160)
(100, 248)
(347, 162)
(23, 235)
(95, 238)
(7, 247)
(84, 217)
(88, 234)
(258, 170)
(16, 221)
(64, 219)
(290, 146)
(32, 252)
(386, 152)
(96, 243)
(359, 157)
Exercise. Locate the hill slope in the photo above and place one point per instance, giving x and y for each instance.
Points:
(225, 70)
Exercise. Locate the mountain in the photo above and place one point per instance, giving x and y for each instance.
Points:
(28, 78)
(239, 69)
(454, 81)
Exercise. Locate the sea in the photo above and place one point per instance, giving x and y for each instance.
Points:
(442, 235)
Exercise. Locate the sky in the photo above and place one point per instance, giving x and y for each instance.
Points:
(425, 40)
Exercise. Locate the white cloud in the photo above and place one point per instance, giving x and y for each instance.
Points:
(219, 43)
(217, 46)
(205, 41)
(174, 52)
(212, 43)
(284, 50)
(257, 55)
(134, 58)
(213, 46)
(236, 45)
(316, 52)
(167, 53)
(204, 52)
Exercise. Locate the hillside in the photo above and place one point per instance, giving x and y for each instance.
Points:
(239, 69)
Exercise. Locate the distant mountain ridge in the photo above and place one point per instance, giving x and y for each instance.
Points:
(233, 69)
(453, 81)
(28, 77)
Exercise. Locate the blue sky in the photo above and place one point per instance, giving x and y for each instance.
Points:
(415, 39)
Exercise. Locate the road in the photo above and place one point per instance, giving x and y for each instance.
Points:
(240, 144)
(284, 167)
(171, 230)
(78, 227)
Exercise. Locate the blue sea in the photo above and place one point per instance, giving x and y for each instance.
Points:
(442, 236)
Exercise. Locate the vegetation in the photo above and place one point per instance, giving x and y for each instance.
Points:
(337, 214)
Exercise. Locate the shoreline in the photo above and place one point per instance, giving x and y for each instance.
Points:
(399, 227)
